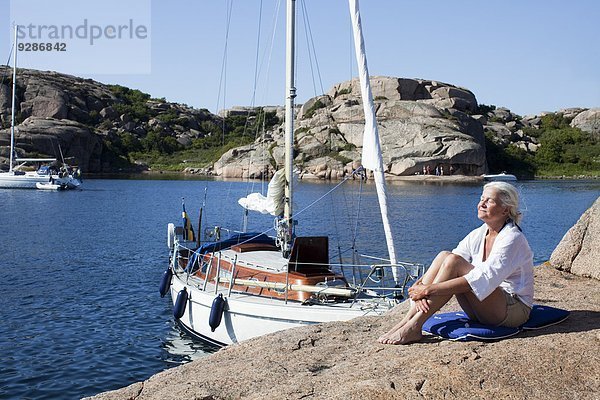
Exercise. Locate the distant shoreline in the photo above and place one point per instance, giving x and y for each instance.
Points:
(179, 175)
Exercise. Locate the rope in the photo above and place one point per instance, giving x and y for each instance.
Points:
(328, 192)
(310, 44)
(223, 78)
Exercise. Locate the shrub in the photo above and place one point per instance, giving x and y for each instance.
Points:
(132, 102)
(343, 91)
(483, 109)
(511, 158)
(312, 109)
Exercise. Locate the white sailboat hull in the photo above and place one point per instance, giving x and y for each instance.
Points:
(288, 281)
(247, 316)
(10, 180)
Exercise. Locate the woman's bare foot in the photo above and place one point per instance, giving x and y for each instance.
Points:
(409, 333)
(411, 313)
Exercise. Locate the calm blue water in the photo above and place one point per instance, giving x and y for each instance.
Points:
(80, 311)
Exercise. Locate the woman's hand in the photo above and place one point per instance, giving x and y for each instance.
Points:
(422, 305)
(418, 293)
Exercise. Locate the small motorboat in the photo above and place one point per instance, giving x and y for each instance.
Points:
(500, 177)
(49, 186)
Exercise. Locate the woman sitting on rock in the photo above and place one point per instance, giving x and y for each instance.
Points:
(490, 272)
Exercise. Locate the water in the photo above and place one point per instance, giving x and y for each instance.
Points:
(80, 311)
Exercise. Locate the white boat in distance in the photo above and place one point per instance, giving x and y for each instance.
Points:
(500, 177)
(49, 186)
(16, 177)
(244, 285)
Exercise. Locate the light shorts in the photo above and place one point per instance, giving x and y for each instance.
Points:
(517, 313)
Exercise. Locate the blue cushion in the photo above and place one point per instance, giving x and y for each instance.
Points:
(457, 326)
(543, 316)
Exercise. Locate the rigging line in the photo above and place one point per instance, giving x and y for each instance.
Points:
(310, 61)
(257, 55)
(224, 58)
(253, 100)
(223, 78)
(269, 51)
(323, 196)
(355, 235)
(336, 229)
(268, 56)
(312, 46)
(8, 64)
(10, 55)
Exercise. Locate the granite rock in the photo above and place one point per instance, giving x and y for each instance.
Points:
(579, 251)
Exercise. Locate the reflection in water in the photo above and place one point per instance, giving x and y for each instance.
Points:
(181, 347)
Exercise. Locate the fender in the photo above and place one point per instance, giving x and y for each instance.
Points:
(216, 312)
(180, 303)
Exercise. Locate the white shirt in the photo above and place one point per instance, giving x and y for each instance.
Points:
(509, 265)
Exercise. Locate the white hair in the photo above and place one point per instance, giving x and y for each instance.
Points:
(509, 196)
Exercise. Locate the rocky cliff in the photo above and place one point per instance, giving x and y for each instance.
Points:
(423, 124)
(87, 119)
(342, 360)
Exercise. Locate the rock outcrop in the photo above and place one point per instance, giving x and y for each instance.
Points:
(91, 121)
(342, 360)
(45, 135)
(588, 121)
(579, 250)
(425, 126)
(421, 124)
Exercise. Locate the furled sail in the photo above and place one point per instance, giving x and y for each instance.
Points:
(371, 153)
(273, 202)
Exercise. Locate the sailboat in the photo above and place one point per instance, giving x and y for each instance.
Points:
(43, 177)
(15, 178)
(249, 284)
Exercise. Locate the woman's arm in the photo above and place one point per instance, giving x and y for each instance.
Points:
(446, 288)
(508, 254)
(421, 292)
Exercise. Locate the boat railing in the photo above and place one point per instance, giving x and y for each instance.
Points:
(361, 281)
(383, 280)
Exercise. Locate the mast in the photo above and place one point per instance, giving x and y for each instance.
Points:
(371, 155)
(14, 94)
(290, 89)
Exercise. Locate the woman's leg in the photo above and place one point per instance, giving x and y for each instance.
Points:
(427, 279)
(451, 267)
(489, 311)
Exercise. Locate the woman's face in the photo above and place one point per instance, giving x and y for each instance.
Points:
(490, 209)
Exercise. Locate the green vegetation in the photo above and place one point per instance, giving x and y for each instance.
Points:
(347, 90)
(483, 109)
(349, 147)
(312, 109)
(563, 151)
(338, 157)
(162, 151)
(511, 159)
(133, 102)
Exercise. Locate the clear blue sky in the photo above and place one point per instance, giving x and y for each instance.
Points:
(527, 55)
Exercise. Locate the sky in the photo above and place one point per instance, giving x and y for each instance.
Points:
(526, 55)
